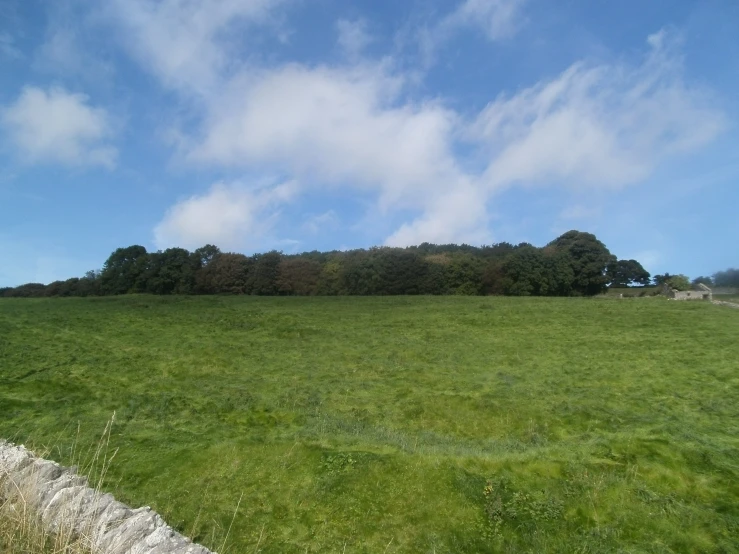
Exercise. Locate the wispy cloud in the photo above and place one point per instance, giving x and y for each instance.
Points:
(8, 49)
(63, 53)
(361, 125)
(353, 37)
(328, 220)
(495, 20)
(597, 125)
(186, 44)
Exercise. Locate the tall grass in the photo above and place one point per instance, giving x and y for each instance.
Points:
(23, 530)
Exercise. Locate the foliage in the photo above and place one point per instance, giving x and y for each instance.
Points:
(624, 273)
(204, 255)
(727, 278)
(354, 423)
(225, 274)
(679, 282)
(463, 275)
(575, 264)
(264, 273)
(124, 270)
(589, 259)
(171, 272)
(298, 276)
(708, 281)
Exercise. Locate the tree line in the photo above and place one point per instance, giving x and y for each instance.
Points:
(574, 264)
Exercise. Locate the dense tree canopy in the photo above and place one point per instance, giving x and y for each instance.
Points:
(123, 271)
(624, 273)
(677, 282)
(703, 280)
(727, 278)
(575, 263)
(588, 258)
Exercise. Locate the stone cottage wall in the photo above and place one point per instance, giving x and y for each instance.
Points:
(691, 295)
(701, 292)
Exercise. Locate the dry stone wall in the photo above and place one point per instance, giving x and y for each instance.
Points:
(728, 304)
(65, 502)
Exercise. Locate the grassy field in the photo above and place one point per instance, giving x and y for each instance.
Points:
(407, 425)
(631, 292)
(727, 297)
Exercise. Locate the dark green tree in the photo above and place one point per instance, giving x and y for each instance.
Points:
(90, 284)
(679, 282)
(493, 278)
(298, 276)
(400, 271)
(171, 271)
(559, 273)
(27, 290)
(463, 275)
(589, 259)
(225, 274)
(205, 254)
(329, 281)
(55, 288)
(703, 280)
(433, 281)
(360, 273)
(727, 278)
(525, 273)
(624, 273)
(123, 271)
(266, 270)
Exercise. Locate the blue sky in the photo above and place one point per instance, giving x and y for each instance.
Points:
(332, 124)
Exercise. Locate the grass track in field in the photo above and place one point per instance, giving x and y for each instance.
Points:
(396, 424)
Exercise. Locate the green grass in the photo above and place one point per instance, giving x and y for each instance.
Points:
(727, 297)
(409, 425)
(631, 292)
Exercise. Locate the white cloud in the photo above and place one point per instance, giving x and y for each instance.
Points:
(457, 214)
(593, 126)
(597, 126)
(353, 37)
(185, 43)
(335, 125)
(498, 19)
(231, 216)
(345, 127)
(357, 126)
(58, 126)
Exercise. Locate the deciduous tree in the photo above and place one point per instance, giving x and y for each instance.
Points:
(123, 270)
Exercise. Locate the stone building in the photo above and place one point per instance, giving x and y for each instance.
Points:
(699, 292)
